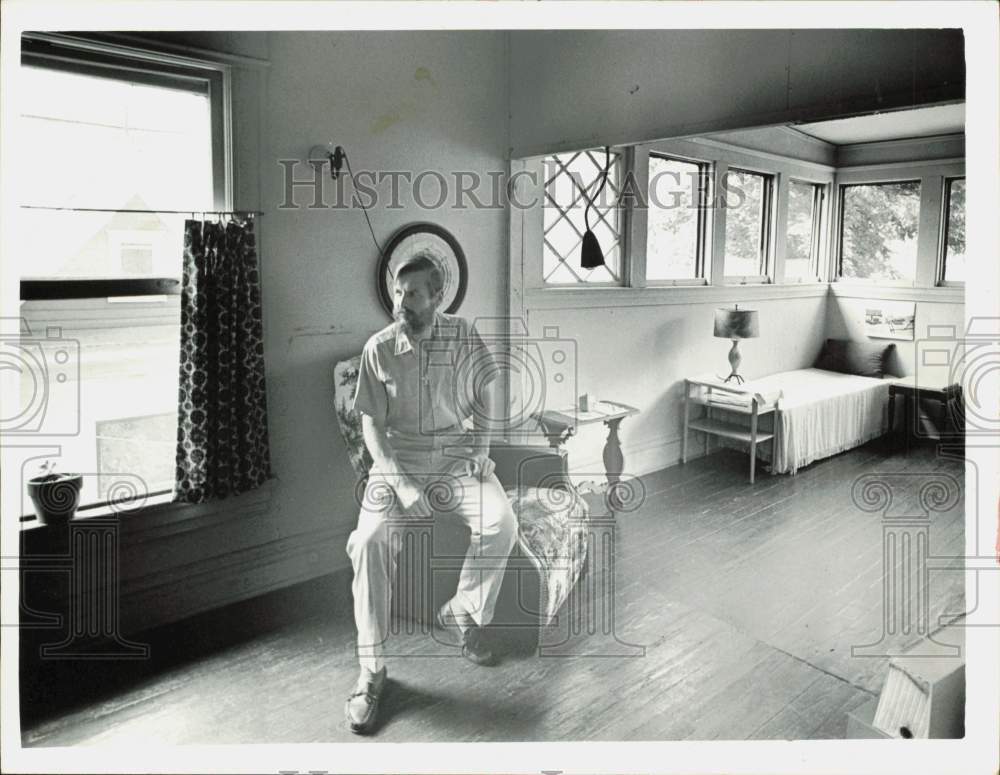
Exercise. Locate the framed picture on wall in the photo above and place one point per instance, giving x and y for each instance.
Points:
(890, 319)
(432, 240)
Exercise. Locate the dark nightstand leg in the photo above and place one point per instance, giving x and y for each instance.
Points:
(892, 415)
(908, 421)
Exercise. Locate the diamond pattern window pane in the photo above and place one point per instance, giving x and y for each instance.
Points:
(570, 180)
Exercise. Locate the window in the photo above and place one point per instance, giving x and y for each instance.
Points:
(954, 231)
(677, 208)
(878, 231)
(114, 140)
(748, 217)
(802, 243)
(570, 179)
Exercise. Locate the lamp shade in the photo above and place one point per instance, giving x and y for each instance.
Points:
(736, 324)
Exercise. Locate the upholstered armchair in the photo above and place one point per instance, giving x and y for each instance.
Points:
(551, 548)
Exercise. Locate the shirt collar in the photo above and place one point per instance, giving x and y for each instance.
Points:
(403, 343)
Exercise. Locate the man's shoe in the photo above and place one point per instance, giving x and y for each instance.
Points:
(467, 633)
(361, 708)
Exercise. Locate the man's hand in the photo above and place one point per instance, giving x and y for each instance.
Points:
(408, 492)
(480, 466)
(405, 491)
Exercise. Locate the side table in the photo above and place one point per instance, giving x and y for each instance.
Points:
(713, 394)
(559, 425)
(912, 391)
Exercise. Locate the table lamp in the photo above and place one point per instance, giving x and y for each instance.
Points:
(736, 324)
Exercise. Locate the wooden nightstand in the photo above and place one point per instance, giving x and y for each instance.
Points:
(949, 398)
(722, 403)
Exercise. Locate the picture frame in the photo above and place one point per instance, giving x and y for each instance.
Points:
(439, 243)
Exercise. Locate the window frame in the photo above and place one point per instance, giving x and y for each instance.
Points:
(839, 233)
(942, 266)
(720, 154)
(818, 233)
(125, 301)
(82, 54)
(624, 164)
(703, 252)
(767, 231)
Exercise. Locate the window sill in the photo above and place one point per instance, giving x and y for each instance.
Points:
(160, 516)
(651, 296)
(862, 290)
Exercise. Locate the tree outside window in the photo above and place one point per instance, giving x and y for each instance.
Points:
(879, 231)
(748, 197)
(674, 236)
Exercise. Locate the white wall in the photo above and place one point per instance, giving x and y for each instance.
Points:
(845, 319)
(396, 101)
(640, 356)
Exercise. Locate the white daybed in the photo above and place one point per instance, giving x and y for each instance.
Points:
(820, 413)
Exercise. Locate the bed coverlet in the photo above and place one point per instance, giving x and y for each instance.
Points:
(821, 413)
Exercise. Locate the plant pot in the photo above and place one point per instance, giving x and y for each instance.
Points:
(55, 496)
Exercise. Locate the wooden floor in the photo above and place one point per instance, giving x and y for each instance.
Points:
(735, 611)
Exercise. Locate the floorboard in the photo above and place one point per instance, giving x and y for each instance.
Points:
(743, 601)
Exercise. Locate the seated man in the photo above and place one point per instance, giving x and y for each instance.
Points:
(415, 390)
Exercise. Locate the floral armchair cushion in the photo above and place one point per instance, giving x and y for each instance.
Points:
(345, 380)
(552, 523)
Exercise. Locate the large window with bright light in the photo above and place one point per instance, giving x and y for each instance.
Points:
(676, 219)
(804, 230)
(878, 231)
(571, 180)
(748, 198)
(114, 142)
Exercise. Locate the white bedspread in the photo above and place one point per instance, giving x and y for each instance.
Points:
(821, 413)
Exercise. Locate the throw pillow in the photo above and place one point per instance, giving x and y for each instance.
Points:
(865, 359)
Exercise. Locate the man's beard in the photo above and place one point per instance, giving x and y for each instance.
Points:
(413, 322)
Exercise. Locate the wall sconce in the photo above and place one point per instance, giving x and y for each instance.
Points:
(324, 153)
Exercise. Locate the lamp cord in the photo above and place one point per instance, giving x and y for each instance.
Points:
(604, 180)
(363, 208)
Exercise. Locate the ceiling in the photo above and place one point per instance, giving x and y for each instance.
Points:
(896, 125)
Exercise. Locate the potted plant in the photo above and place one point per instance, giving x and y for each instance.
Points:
(55, 496)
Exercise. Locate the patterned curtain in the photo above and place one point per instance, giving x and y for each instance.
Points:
(222, 442)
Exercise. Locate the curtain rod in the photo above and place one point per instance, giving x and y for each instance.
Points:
(152, 212)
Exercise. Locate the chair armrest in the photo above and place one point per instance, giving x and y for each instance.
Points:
(528, 466)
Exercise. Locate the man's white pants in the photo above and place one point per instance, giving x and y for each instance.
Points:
(481, 504)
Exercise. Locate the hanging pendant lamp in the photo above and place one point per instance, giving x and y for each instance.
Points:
(591, 256)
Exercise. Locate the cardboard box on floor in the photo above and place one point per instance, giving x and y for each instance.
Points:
(923, 697)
